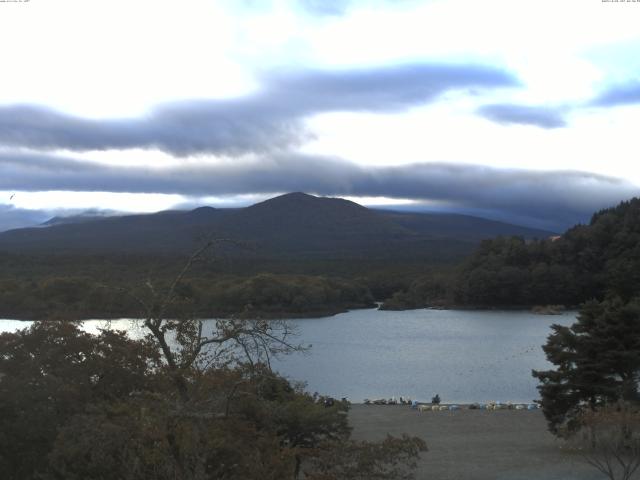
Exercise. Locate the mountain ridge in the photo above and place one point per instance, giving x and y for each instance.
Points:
(290, 224)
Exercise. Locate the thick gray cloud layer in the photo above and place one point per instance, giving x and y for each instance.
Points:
(544, 117)
(269, 120)
(552, 199)
(617, 95)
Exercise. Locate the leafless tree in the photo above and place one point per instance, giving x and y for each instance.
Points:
(189, 344)
(610, 440)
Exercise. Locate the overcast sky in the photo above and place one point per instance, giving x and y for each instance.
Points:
(520, 110)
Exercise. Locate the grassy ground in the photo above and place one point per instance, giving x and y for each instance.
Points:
(476, 444)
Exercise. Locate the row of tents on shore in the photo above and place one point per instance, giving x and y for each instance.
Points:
(436, 406)
(476, 406)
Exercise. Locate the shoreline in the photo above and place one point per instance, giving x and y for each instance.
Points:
(308, 316)
(508, 405)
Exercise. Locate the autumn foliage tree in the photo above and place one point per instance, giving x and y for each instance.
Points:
(51, 372)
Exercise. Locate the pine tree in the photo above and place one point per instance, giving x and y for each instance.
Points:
(597, 361)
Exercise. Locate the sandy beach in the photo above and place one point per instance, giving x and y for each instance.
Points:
(476, 444)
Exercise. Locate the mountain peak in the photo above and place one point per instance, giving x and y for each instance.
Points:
(296, 195)
(202, 210)
(292, 224)
(292, 197)
(301, 200)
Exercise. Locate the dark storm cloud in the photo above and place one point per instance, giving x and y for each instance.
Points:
(627, 94)
(222, 127)
(268, 120)
(380, 89)
(552, 199)
(34, 172)
(543, 117)
(547, 199)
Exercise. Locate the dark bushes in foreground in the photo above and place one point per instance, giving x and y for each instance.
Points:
(79, 406)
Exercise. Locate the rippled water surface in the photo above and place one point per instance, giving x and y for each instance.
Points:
(464, 356)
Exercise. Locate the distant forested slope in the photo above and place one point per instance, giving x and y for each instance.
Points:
(587, 262)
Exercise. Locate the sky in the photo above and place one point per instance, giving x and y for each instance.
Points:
(518, 110)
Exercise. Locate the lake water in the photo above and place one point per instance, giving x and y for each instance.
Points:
(464, 356)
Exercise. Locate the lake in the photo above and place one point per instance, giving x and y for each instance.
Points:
(464, 356)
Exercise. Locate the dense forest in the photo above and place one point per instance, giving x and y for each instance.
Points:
(77, 286)
(258, 296)
(587, 262)
(76, 406)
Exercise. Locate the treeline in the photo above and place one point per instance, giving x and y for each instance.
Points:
(430, 290)
(104, 286)
(511, 272)
(587, 262)
(258, 296)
